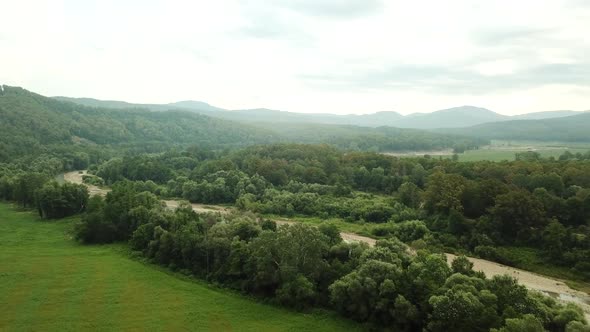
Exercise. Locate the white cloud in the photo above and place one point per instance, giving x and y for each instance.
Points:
(352, 56)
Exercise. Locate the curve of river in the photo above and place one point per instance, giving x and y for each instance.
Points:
(549, 286)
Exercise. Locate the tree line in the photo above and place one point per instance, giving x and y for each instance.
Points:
(32, 183)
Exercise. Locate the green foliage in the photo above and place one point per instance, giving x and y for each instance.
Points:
(34, 124)
(407, 231)
(443, 192)
(410, 194)
(58, 201)
(517, 212)
(302, 266)
(462, 265)
(528, 323)
(566, 129)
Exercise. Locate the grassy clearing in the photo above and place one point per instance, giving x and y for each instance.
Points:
(531, 259)
(499, 154)
(48, 282)
(505, 150)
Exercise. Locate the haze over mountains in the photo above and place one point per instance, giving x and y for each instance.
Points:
(575, 128)
(457, 117)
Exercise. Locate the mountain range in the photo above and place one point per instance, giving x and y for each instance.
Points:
(32, 124)
(457, 117)
(574, 128)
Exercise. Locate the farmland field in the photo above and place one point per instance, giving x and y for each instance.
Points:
(504, 150)
(48, 282)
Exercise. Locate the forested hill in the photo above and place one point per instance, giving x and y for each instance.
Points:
(574, 128)
(380, 139)
(456, 117)
(30, 122)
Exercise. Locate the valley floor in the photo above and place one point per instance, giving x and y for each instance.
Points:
(503, 150)
(48, 282)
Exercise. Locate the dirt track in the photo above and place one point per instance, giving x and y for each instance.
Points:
(199, 208)
(552, 287)
(76, 177)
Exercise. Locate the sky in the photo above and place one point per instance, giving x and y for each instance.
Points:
(312, 56)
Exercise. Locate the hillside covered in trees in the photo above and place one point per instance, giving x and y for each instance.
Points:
(31, 123)
(456, 117)
(574, 128)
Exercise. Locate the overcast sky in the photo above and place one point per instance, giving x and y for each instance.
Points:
(332, 56)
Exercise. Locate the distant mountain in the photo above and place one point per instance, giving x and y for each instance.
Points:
(31, 124)
(194, 105)
(463, 116)
(34, 124)
(250, 115)
(544, 115)
(457, 117)
(575, 128)
(98, 103)
(190, 105)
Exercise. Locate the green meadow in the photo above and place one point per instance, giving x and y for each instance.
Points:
(500, 154)
(49, 282)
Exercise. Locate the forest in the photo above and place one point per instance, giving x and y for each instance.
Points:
(532, 202)
(430, 204)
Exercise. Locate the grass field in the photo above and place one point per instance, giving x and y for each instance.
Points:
(506, 150)
(499, 154)
(48, 282)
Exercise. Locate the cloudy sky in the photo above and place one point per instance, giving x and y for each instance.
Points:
(333, 56)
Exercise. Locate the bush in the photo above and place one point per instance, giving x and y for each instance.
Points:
(487, 252)
(93, 180)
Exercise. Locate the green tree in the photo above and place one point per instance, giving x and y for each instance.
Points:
(410, 194)
(443, 192)
(368, 293)
(463, 265)
(518, 211)
(459, 310)
(554, 236)
(528, 323)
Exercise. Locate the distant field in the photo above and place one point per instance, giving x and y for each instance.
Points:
(506, 150)
(50, 283)
(499, 154)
